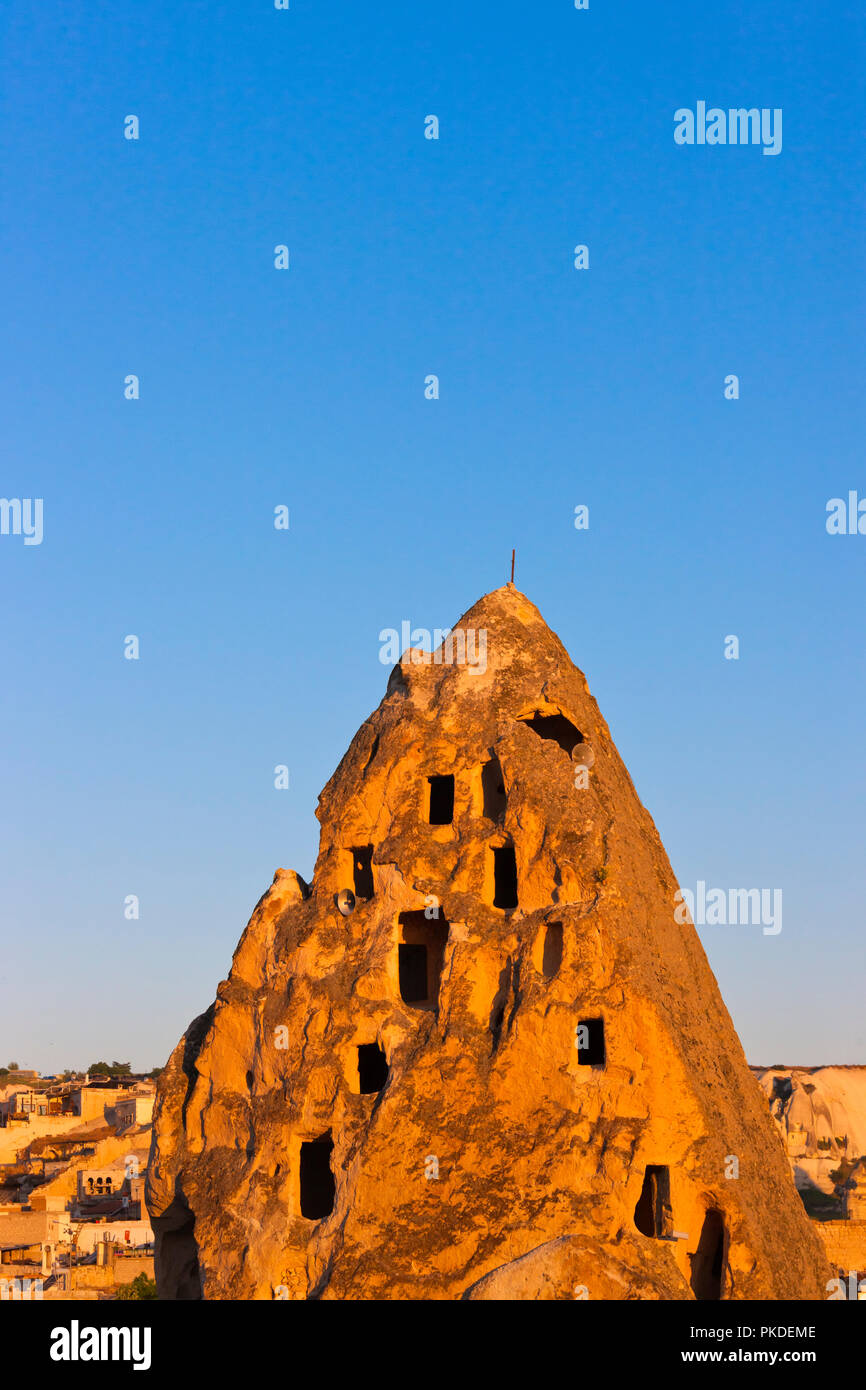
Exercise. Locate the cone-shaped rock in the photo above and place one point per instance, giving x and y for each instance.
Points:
(479, 1057)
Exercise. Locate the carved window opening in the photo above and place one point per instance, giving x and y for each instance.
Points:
(316, 1178)
(590, 1042)
(493, 796)
(551, 959)
(441, 800)
(504, 877)
(653, 1214)
(420, 958)
(372, 1068)
(555, 727)
(708, 1261)
(362, 869)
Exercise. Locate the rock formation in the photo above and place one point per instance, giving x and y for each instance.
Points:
(854, 1192)
(478, 1058)
(820, 1113)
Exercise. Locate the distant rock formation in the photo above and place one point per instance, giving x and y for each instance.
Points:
(821, 1115)
(479, 1057)
(854, 1192)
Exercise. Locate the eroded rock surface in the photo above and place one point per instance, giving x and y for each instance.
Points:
(820, 1113)
(530, 1084)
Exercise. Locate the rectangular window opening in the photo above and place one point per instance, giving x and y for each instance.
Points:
(362, 869)
(420, 958)
(504, 877)
(441, 800)
(317, 1179)
(590, 1042)
(413, 972)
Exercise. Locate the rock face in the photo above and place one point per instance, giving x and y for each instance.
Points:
(479, 1058)
(820, 1113)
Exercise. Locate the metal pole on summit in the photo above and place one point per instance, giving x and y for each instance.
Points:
(512, 566)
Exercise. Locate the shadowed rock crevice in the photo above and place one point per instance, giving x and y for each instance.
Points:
(193, 1040)
(176, 1253)
(500, 1001)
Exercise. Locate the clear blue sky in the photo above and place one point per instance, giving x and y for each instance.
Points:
(306, 387)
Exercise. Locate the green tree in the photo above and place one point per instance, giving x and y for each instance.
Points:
(141, 1287)
(109, 1069)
